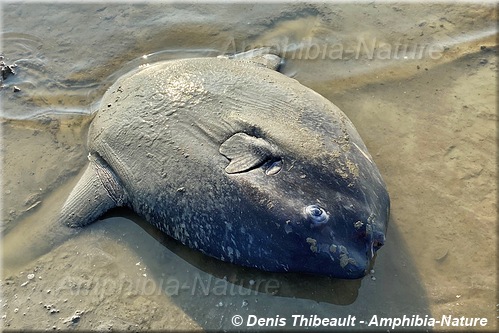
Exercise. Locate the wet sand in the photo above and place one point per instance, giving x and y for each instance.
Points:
(429, 124)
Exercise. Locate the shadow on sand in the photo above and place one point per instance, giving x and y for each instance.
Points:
(201, 285)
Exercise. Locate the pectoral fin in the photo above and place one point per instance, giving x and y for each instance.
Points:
(246, 152)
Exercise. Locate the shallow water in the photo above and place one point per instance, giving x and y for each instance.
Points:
(417, 80)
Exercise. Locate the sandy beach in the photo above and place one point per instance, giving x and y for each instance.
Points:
(417, 80)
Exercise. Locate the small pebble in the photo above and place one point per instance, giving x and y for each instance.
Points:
(373, 278)
(245, 303)
(371, 271)
(17, 89)
(24, 284)
(31, 276)
(251, 282)
(75, 318)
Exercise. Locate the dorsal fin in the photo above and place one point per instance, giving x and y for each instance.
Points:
(262, 56)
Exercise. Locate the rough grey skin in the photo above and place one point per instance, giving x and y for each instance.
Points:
(232, 158)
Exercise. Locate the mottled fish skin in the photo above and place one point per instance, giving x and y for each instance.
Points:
(237, 160)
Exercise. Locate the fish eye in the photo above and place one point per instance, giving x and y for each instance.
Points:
(316, 214)
(315, 211)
